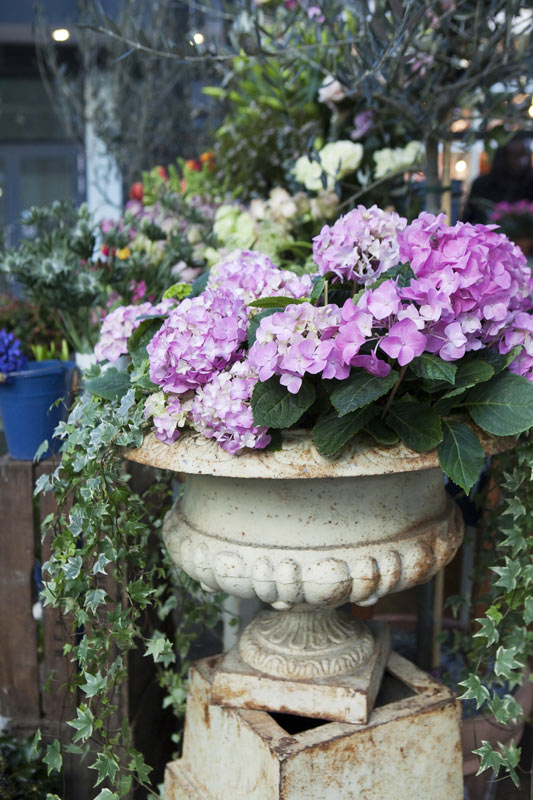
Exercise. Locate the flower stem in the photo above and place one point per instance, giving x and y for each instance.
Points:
(325, 293)
(393, 392)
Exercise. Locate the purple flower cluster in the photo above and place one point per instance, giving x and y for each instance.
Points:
(222, 410)
(296, 341)
(12, 359)
(360, 246)
(169, 413)
(252, 275)
(470, 283)
(505, 209)
(119, 324)
(201, 336)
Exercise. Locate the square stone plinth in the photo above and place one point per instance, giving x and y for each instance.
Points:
(409, 749)
(344, 698)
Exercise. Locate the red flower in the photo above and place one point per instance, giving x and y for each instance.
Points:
(137, 192)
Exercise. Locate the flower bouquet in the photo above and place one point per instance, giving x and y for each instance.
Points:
(416, 332)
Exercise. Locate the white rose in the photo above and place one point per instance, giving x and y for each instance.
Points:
(394, 160)
(331, 91)
(308, 173)
(340, 158)
(281, 204)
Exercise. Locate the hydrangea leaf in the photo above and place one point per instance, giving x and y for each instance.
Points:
(470, 374)
(381, 432)
(275, 407)
(112, 385)
(332, 432)
(461, 455)
(255, 321)
(503, 406)
(433, 368)
(277, 302)
(360, 389)
(417, 425)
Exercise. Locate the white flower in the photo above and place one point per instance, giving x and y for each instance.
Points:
(281, 204)
(395, 159)
(331, 91)
(335, 160)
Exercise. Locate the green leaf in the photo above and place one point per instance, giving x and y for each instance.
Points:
(470, 374)
(83, 725)
(503, 406)
(277, 302)
(112, 385)
(488, 630)
(94, 598)
(475, 690)
(107, 767)
(417, 425)
(161, 649)
(73, 567)
(255, 321)
(496, 360)
(274, 406)
(380, 431)
(528, 611)
(332, 432)
(43, 447)
(461, 455)
(140, 337)
(506, 662)
(360, 389)
(433, 368)
(107, 794)
(94, 684)
(318, 288)
(200, 284)
(488, 758)
(53, 758)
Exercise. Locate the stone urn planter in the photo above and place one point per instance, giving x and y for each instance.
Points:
(307, 534)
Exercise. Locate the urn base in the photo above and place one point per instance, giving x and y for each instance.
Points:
(410, 747)
(335, 680)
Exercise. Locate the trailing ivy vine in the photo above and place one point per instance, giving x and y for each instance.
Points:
(115, 586)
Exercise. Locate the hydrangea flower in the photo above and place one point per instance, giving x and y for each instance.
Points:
(169, 413)
(470, 284)
(200, 337)
(12, 359)
(222, 410)
(119, 324)
(296, 341)
(251, 275)
(360, 246)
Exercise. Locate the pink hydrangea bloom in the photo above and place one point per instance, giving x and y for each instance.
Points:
(360, 246)
(470, 284)
(252, 275)
(222, 410)
(119, 324)
(296, 341)
(201, 336)
(169, 413)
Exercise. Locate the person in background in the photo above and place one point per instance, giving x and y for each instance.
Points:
(510, 179)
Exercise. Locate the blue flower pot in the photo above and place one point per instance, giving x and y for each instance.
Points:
(27, 405)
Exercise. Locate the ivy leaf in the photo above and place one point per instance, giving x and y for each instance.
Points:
(106, 765)
(277, 302)
(503, 406)
(83, 725)
(461, 455)
(509, 574)
(53, 758)
(73, 567)
(488, 630)
(332, 432)
(360, 389)
(112, 385)
(433, 368)
(470, 374)
(488, 758)
(161, 649)
(506, 662)
(94, 598)
(417, 425)
(275, 407)
(94, 684)
(107, 794)
(474, 690)
(528, 613)
(76, 521)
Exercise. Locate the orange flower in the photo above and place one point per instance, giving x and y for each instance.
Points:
(193, 164)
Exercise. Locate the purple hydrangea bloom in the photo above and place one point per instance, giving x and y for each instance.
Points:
(252, 275)
(360, 246)
(12, 359)
(119, 324)
(222, 410)
(169, 413)
(200, 337)
(297, 340)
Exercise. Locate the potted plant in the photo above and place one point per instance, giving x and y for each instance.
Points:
(30, 395)
(403, 350)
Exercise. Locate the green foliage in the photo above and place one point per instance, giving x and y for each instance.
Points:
(274, 406)
(25, 768)
(107, 568)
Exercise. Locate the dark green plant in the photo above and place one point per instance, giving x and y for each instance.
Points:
(23, 774)
(107, 569)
